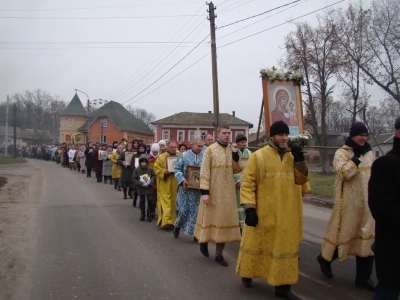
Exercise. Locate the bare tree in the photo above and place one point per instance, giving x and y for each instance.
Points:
(142, 114)
(371, 39)
(314, 50)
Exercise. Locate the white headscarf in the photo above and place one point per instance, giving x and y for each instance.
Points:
(155, 147)
(162, 142)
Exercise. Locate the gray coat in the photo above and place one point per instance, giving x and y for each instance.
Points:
(107, 164)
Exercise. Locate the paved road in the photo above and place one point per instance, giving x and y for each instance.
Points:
(90, 244)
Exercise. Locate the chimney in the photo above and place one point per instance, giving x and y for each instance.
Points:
(233, 113)
(209, 111)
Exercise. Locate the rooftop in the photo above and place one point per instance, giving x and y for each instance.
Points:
(121, 118)
(74, 108)
(194, 118)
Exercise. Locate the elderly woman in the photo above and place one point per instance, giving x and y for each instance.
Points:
(107, 164)
(116, 168)
(82, 158)
(127, 162)
(182, 148)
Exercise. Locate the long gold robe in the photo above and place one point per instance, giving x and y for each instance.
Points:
(219, 221)
(272, 186)
(351, 227)
(167, 189)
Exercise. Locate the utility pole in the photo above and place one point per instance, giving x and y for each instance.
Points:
(6, 133)
(211, 9)
(15, 130)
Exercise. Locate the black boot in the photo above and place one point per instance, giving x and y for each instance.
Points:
(125, 196)
(148, 215)
(204, 249)
(364, 267)
(105, 179)
(115, 184)
(142, 216)
(111, 181)
(83, 171)
(325, 266)
(130, 193)
(133, 202)
(283, 292)
(247, 282)
(175, 232)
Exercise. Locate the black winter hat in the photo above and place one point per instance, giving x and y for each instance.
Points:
(278, 127)
(397, 124)
(357, 128)
(240, 137)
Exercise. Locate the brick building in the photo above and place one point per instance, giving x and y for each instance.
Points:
(71, 118)
(185, 126)
(112, 122)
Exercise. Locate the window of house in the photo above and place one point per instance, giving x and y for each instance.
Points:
(376, 154)
(104, 123)
(103, 139)
(165, 135)
(203, 134)
(181, 135)
(69, 122)
(191, 135)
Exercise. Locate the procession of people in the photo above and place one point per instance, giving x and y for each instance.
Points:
(221, 192)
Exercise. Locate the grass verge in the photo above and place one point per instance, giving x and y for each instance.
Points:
(322, 185)
(10, 160)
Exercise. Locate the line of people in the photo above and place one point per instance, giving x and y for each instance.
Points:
(256, 199)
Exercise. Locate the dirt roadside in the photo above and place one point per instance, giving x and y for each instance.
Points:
(17, 217)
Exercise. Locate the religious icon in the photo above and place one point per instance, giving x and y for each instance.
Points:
(128, 157)
(100, 154)
(282, 102)
(171, 162)
(193, 177)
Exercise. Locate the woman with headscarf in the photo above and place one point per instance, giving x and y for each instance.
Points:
(82, 159)
(163, 146)
(141, 150)
(182, 148)
(107, 164)
(128, 165)
(98, 163)
(151, 157)
(116, 168)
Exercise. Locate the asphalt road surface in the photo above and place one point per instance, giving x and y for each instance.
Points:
(88, 243)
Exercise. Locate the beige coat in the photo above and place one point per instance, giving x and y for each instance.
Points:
(351, 227)
(219, 221)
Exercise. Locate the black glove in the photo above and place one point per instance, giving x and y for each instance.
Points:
(357, 152)
(251, 217)
(297, 153)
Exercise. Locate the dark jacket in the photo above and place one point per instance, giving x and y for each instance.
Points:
(126, 172)
(89, 158)
(140, 171)
(384, 203)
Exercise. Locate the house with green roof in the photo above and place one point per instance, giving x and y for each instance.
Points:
(112, 122)
(71, 118)
(184, 127)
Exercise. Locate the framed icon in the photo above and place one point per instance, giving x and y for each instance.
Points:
(171, 162)
(193, 177)
(100, 154)
(136, 162)
(128, 157)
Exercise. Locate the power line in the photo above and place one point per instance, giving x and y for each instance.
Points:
(246, 37)
(66, 48)
(165, 63)
(184, 70)
(98, 7)
(221, 37)
(100, 18)
(257, 15)
(78, 43)
(168, 70)
(231, 5)
(226, 9)
(162, 57)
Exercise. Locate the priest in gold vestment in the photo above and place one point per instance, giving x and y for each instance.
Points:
(167, 188)
(217, 218)
(351, 228)
(271, 194)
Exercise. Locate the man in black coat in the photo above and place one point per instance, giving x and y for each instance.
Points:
(384, 203)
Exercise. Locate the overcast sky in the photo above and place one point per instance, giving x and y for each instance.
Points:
(87, 45)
